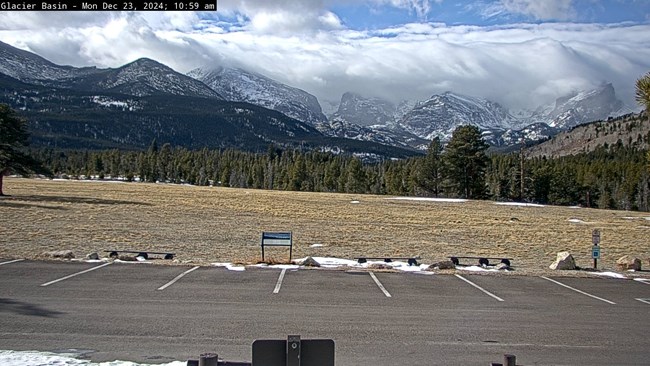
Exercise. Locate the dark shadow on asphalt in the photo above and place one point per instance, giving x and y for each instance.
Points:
(66, 199)
(25, 308)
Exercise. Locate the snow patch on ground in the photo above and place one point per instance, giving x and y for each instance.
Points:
(137, 261)
(477, 269)
(518, 204)
(278, 266)
(609, 274)
(35, 358)
(354, 202)
(316, 245)
(230, 267)
(429, 199)
(577, 221)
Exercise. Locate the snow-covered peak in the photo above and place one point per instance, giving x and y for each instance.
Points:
(29, 67)
(240, 85)
(148, 77)
(585, 106)
(141, 77)
(442, 113)
(365, 111)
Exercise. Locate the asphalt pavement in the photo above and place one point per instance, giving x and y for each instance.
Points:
(155, 313)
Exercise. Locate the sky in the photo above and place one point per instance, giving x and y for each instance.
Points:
(521, 53)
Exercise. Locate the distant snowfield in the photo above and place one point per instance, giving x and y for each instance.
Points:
(429, 199)
(518, 204)
(35, 358)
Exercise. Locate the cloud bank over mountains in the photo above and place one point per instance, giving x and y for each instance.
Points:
(319, 46)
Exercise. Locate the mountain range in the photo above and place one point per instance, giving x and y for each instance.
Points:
(441, 114)
(146, 99)
(130, 106)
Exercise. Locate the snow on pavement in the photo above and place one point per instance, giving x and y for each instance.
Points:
(35, 358)
(230, 267)
(609, 274)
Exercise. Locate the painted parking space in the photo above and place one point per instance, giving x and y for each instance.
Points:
(439, 291)
(121, 279)
(4, 262)
(620, 291)
(334, 288)
(219, 285)
(35, 273)
(75, 274)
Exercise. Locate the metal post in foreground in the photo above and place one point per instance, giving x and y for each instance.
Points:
(509, 360)
(209, 359)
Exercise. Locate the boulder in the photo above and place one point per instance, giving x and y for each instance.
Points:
(65, 254)
(92, 256)
(380, 266)
(628, 262)
(127, 258)
(442, 265)
(310, 262)
(564, 261)
(502, 267)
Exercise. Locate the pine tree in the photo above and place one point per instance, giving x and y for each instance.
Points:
(643, 92)
(430, 172)
(465, 162)
(13, 138)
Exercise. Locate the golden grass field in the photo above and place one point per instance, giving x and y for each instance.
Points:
(208, 224)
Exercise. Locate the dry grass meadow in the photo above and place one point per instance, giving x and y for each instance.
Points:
(207, 224)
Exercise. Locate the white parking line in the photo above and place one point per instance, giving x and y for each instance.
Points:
(75, 274)
(13, 261)
(176, 278)
(579, 291)
(645, 301)
(279, 284)
(480, 288)
(381, 287)
(642, 280)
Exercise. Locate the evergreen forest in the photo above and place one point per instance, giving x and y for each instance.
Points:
(612, 177)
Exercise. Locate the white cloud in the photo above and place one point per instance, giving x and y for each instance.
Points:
(520, 65)
(539, 9)
(533, 9)
(421, 7)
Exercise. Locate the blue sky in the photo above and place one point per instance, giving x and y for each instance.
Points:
(520, 53)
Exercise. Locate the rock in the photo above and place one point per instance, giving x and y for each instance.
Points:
(379, 266)
(628, 262)
(502, 267)
(310, 262)
(127, 258)
(442, 265)
(65, 254)
(92, 256)
(564, 261)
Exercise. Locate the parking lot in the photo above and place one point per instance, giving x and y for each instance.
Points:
(155, 313)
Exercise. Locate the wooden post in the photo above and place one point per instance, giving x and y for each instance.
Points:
(209, 359)
(509, 360)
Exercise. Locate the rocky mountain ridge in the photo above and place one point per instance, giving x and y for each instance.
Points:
(627, 130)
(239, 85)
(441, 114)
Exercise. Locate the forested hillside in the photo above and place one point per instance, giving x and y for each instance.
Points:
(631, 130)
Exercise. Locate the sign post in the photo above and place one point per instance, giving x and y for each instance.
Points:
(595, 249)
